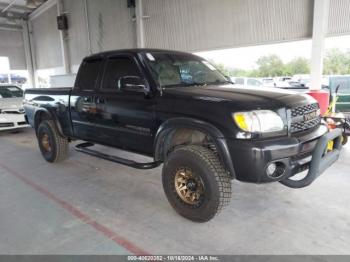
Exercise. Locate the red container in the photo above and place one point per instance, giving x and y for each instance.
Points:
(322, 98)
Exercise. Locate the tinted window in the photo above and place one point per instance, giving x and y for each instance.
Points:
(10, 92)
(88, 74)
(239, 81)
(173, 69)
(117, 68)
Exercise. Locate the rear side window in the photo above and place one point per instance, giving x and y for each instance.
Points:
(118, 67)
(10, 92)
(88, 74)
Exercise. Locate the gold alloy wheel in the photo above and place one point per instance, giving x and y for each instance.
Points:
(188, 186)
(45, 141)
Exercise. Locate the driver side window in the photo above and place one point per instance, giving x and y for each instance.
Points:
(118, 67)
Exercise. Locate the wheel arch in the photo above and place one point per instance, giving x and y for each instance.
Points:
(166, 132)
(44, 114)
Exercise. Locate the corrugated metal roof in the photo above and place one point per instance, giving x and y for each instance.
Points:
(339, 17)
(195, 25)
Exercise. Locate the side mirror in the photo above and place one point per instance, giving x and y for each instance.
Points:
(132, 83)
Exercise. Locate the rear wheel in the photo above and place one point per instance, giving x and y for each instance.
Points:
(195, 183)
(53, 146)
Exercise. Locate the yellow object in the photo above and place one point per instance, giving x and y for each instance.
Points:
(240, 121)
(331, 106)
(330, 145)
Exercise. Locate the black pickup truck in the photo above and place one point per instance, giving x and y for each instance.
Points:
(177, 108)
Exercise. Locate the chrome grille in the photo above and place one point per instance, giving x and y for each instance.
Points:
(298, 122)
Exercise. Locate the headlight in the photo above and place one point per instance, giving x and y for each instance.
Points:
(258, 121)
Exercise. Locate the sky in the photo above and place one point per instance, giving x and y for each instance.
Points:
(245, 57)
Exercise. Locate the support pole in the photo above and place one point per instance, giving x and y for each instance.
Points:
(86, 18)
(64, 41)
(320, 26)
(28, 53)
(140, 34)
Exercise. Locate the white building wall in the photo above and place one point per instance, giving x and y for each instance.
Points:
(45, 40)
(77, 33)
(12, 46)
(111, 25)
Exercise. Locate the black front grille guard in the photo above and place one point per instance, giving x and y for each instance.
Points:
(321, 159)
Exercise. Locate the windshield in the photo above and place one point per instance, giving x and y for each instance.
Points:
(172, 70)
(10, 92)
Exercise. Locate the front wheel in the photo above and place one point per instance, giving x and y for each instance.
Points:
(195, 183)
(53, 146)
(344, 140)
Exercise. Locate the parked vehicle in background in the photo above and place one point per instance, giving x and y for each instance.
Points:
(306, 83)
(13, 78)
(268, 82)
(343, 94)
(246, 81)
(282, 82)
(11, 108)
(301, 83)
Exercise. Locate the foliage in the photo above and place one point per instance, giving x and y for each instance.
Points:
(336, 62)
(297, 66)
(270, 65)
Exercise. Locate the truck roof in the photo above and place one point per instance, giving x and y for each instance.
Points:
(133, 51)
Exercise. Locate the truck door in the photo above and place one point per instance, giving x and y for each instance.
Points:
(126, 117)
(82, 102)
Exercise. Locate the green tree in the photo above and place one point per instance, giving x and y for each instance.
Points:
(298, 65)
(270, 65)
(222, 68)
(336, 62)
(239, 72)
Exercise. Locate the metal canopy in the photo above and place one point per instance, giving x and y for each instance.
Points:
(12, 11)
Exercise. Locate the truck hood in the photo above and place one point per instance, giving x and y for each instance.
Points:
(11, 104)
(243, 97)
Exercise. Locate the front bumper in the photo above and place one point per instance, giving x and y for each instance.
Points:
(12, 121)
(292, 154)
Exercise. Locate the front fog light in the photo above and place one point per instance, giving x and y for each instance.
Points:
(271, 168)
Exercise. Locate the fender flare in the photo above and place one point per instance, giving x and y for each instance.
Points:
(51, 115)
(163, 135)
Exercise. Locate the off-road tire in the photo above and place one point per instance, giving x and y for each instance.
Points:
(216, 181)
(59, 145)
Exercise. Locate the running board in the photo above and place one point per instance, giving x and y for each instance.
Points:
(84, 148)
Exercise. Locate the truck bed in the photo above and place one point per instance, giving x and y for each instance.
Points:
(54, 91)
(52, 101)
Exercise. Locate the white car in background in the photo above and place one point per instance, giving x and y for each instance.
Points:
(268, 82)
(246, 81)
(11, 108)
